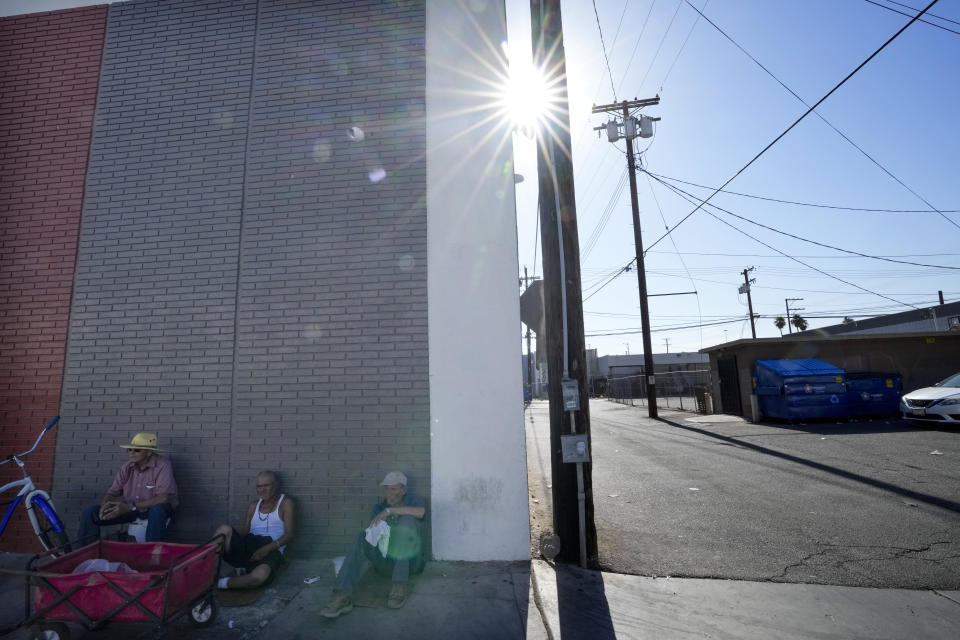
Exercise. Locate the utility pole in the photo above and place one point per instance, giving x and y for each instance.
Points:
(573, 506)
(667, 342)
(633, 128)
(530, 367)
(788, 301)
(745, 288)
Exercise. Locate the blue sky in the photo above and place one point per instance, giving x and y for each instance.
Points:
(718, 110)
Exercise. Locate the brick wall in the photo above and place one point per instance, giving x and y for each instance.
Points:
(251, 284)
(331, 376)
(49, 68)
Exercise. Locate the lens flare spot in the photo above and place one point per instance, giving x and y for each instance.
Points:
(406, 262)
(321, 151)
(223, 118)
(313, 331)
(377, 175)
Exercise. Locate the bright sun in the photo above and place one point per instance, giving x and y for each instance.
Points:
(527, 98)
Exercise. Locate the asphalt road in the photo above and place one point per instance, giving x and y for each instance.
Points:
(869, 503)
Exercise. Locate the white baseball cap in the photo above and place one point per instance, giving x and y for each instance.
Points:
(394, 477)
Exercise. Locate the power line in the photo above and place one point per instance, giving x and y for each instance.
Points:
(802, 204)
(643, 30)
(609, 73)
(677, 249)
(605, 216)
(770, 255)
(810, 266)
(668, 328)
(802, 239)
(827, 122)
(795, 123)
(682, 47)
(622, 269)
(660, 46)
(932, 24)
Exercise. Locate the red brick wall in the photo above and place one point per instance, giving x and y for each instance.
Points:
(49, 69)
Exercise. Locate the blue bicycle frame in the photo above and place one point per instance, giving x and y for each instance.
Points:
(32, 497)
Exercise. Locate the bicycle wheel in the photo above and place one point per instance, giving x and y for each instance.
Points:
(49, 527)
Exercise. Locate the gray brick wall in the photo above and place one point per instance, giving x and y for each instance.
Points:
(251, 283)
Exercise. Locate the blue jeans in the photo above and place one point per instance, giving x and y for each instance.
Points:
(404, 555)
(157, 517)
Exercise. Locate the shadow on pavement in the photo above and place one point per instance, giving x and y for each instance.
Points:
(582, 606)
(943, 503)
(879, 424)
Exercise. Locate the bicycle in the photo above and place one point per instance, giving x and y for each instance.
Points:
(43, 518)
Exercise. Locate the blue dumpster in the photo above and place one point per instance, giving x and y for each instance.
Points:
(800, 389)
(874, 393)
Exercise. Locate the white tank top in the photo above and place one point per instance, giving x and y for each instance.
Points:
(271, 525)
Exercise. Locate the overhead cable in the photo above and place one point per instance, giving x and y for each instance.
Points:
(682, 47)
(795, 123)
(810, 266)
(604, 46)
(932, 24)
(827, 122)
(660, 46)
(802, 204)
(802, 239)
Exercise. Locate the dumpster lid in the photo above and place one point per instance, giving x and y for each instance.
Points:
(863, 375)
(800, 367)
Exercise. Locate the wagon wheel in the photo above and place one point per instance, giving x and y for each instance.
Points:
(50, 631)
(204, 612)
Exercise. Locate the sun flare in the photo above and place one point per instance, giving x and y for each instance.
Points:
(527, 98)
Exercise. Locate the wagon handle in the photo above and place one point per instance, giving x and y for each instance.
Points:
(33, 574)
(219, 536)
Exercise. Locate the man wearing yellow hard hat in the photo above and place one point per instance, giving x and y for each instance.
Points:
(143, 488)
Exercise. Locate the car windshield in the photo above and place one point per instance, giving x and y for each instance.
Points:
(952, 381)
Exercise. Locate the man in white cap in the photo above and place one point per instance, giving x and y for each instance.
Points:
(401, 556)
(144, 487)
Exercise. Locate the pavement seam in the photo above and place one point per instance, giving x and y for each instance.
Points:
(943, 595)
(538, 600)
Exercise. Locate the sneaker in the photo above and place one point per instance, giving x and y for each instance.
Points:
(338, 604)
(398, 595)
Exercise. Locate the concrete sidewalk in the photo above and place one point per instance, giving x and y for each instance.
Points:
(577, 603)
(538, 600)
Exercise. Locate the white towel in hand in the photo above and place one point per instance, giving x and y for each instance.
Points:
(378, 535)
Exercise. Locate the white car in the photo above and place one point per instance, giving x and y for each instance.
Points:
(939, 403)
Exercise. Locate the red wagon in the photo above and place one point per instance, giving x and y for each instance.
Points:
(171, 580)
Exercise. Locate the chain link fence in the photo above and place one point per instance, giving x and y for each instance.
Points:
(684, 390)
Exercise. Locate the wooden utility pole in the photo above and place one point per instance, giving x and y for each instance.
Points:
(745, 288)
(558, 233)
(648, 368)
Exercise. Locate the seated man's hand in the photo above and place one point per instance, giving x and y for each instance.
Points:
(380, 516)
(113, 509)
(262, 552)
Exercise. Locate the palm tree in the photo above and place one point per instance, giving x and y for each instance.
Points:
(799, 322)
(779, 323)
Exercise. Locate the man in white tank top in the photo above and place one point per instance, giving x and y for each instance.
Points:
(259, 545)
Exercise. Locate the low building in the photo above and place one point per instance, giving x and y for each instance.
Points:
(944, 317)
(920, 358)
